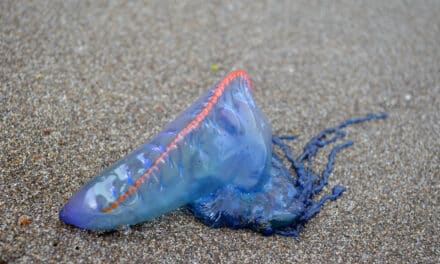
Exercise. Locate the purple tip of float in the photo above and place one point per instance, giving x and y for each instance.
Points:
(77, 212)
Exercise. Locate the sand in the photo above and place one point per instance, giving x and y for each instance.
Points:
(82, 84)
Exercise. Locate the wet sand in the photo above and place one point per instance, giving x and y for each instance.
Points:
(82, 84)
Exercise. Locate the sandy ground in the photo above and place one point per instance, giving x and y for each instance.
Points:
(84, 83)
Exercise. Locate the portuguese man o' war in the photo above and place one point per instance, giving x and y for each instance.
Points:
(217, 159)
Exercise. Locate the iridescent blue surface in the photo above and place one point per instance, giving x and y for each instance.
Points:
(224, 171)
(232, 145)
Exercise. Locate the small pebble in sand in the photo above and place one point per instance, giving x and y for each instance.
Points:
(24, 220)
(214, 67)
(36, 157)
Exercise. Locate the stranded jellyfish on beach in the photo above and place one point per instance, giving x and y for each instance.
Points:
(217, 158)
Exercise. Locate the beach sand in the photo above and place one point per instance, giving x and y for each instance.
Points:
(84, 83)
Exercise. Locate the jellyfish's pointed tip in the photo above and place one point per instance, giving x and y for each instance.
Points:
(65, 216)
(84, 212)
(72, 214)
(79, 212)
